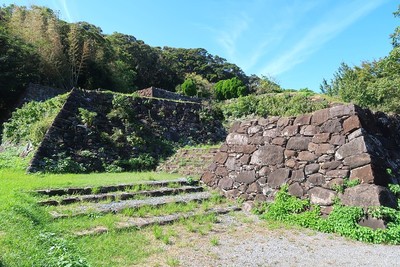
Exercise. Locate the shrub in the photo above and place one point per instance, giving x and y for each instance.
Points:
(227, 89)
(32, 117)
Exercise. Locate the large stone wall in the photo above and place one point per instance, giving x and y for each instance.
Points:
(124, 127)
(313, 154)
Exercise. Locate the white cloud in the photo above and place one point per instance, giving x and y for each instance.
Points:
(228, 39)
(337, 21)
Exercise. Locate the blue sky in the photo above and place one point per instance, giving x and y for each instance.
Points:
(297, 42)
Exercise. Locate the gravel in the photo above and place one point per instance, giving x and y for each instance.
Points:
(244, 240)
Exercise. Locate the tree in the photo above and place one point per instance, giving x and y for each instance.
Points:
(231, 88)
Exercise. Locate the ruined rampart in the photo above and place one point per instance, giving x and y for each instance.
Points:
(313, 154)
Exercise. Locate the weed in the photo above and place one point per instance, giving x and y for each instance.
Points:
(173, 262)
(214, 241)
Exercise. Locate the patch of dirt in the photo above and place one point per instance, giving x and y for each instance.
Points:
(244, 240)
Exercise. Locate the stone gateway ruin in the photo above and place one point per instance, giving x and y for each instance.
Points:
(314, 154)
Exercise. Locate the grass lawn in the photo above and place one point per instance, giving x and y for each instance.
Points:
(30, 237)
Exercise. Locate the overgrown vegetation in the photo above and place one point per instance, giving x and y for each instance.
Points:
(283, 104)
(342, 220)
(30, 123)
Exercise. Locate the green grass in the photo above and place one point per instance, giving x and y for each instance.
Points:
(29, 237)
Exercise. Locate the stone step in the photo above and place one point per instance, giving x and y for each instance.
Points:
(140, 222)
(117, 206)
(111, 188)
(163, 191)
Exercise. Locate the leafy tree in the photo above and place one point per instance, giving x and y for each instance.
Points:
(189, 87)
(374, 84)
(227, 89)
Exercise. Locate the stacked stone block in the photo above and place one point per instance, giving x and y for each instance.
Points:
(313, 154)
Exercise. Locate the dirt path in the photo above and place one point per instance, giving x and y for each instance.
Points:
(244, 240)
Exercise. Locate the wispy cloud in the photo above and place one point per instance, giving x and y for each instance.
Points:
(64, 9)
(338, 20)
(228, 39)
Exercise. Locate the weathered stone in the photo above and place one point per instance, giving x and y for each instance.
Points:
(245, 159)
(208, 178)
(365, 174)
(248, 206)
(331, 126)
(311, 168)
(297, 176)
(368, 195)
(351, 124)
(337, 174)
(272, 133)
(268, 155)
(258, 140)
(325, 149)
(234, 193)
(316, 179)
(246, 149)
(320, 116)
(341, 110)
(321, 138)
(291, 163)
(302, 120)
(337, 140)
(254, 129)
(372, 222)
(330, 165)
(357, 160)
(309, 130)
(224, 148)
(246, 177)
(278, 177)
(212, 167)
(225, 183)
(289, 153)
(222, 171)
(298, 143)
(321, 196)
(325, 158)
(263, 121)
(356, 133)
(354, 147)
(306, 156)
(280, 141)
(237, 139)
(254, 188)
(283, 122)
(230, 163)
(290, 130)
(264, 171)
(312, 147)
(296, 190)
(260, 198)
(221, 157)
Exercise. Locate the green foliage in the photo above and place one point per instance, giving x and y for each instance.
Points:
(227, 89)
(189, 87)
(31, 121)
(373, 84)
(342, 220)
(286, 104)
(63, 164)
(140, 163)
(10, 159)
(395, 189)
(87, 117)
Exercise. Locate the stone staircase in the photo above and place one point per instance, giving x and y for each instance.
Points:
(66, 203)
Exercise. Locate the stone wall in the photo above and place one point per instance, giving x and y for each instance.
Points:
(124, 127)
(37, 92)
(313, 154)
(164, 94)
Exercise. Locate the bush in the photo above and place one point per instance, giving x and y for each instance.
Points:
(189, 87)
(32, 120)
(227, 89)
